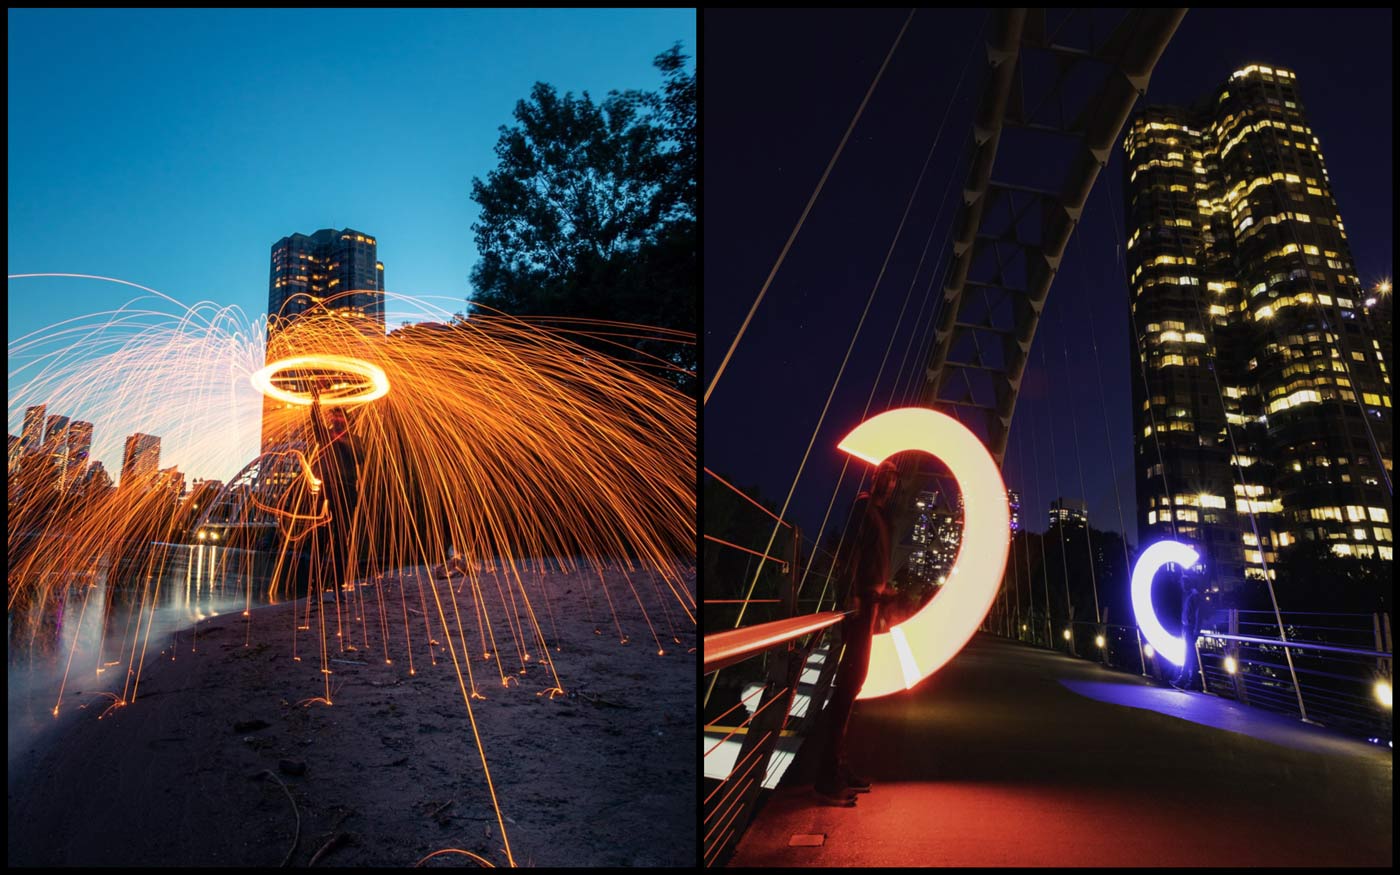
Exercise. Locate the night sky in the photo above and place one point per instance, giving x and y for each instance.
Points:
(779, 89)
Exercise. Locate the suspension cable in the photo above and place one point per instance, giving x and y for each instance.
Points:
(913, 281)
(1249, 502)
(899, 231)
(1142, 367)
(1025, 534)
(1107, 436)
(1044, 571)
(1054, 461)
(810, 201)
(1079, 460)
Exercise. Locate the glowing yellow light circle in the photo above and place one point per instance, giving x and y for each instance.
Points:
(922, 644)
(378, 380)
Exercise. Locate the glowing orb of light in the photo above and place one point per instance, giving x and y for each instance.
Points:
(1172, 648)
(921, 645)
(376, 383)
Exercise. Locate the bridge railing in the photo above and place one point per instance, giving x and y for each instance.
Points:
(1343, 663)
(768, 667)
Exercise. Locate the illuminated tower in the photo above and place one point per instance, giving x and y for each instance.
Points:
(1261, 372)
(331, 270)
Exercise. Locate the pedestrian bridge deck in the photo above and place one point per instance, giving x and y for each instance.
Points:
(1014, 756)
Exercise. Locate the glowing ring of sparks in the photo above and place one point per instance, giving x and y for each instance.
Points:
(373, 374)
(922, 644)
(1172, 647)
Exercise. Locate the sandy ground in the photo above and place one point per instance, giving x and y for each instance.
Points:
(602, 776)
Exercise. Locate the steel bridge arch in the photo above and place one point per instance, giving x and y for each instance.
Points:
(1010, 235)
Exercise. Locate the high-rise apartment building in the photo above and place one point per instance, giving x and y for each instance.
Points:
(69, 441)
(1069, 513)
(936, 536)
(336, 269)
(1261, 391)
(79, 443)
(329, 270)
(141, 459)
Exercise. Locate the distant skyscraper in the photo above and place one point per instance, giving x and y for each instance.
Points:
(332, 270)
(141, 461)
(1013, 501)
(335, 269)
(1068, 512)
(79, 442)
(936, 536)
(77, 448)
(96, 475)
(32, 437)
(1267, 396)
(56, 433)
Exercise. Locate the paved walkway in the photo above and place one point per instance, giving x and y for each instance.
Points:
(1013, 756)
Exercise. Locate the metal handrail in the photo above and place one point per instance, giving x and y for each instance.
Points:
(1325, 683)
(1304, 645)
(735, 645)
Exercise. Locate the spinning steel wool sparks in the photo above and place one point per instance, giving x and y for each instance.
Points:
(487, 448)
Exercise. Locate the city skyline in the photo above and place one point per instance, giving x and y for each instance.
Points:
(191, 211)
(764, 410)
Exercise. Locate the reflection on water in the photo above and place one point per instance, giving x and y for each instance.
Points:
(95, 627)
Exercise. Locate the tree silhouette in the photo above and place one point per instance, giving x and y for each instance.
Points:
(590, 214)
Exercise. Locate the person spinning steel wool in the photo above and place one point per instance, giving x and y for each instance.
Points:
(335, 461)
(864, 579)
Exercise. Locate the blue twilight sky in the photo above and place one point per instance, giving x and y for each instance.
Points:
(173, 148)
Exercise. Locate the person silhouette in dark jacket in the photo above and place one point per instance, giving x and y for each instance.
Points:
(1190, 628)
(335, 460)
(864, 584)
